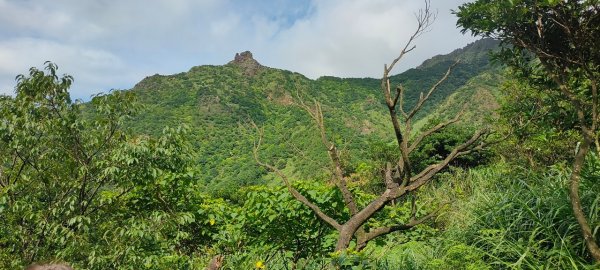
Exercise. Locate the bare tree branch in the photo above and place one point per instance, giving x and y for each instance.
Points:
(434, 129)
(400, 93)
(424, 20)
(316, 209)
(317, 114)
(374, 233)
(397, 185)
(422, 98)
(389, 180)
(427, 173)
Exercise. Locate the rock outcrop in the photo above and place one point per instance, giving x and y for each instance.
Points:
(245, 61)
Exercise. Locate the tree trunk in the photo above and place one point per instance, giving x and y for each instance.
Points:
(576, 201)
(346, 234)
(215, 263)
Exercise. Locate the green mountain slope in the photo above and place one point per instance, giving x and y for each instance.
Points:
(219, 103)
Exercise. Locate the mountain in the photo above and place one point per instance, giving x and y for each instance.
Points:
(220, 103)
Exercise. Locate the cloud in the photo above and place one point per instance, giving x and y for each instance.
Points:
(94, 70)
(354, 38)
(103, 44)
(28, 17)
(107, 44)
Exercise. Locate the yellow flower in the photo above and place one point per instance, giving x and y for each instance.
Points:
(259, 265)
(211, 221)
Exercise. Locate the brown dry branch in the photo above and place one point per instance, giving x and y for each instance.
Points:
(399, 179)
(297, 195)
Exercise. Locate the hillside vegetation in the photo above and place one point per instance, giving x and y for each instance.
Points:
(243, 166)
(218, 104)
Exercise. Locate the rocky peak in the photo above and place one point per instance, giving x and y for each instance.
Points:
(246, 62)
(243, 57)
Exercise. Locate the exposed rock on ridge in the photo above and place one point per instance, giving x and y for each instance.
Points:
(245, 61)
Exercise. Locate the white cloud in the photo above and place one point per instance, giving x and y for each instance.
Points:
(107, 44)
(354, 38)
(94, 70)
(28, 16)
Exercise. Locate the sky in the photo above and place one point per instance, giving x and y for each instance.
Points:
(111, 44)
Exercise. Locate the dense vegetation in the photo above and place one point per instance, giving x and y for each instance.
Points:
(163, 176)
(219, 102)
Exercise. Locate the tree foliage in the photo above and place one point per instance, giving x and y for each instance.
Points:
(551, 46)
(107, 184)
(82, 190)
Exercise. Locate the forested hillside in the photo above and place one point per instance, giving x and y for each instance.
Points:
(484, 158)
(219, 103)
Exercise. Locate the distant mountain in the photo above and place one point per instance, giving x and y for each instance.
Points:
(219, 103)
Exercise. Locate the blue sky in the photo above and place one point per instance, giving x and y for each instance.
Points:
(114, 44)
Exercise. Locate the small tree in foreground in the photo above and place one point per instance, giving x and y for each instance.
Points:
(400, 180)
(76, 187)
(553, 46)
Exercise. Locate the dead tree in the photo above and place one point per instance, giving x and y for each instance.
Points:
(403, 182)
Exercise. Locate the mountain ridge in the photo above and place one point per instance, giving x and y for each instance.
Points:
(220, 103)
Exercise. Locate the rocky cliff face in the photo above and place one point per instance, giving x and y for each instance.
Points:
(245, 61)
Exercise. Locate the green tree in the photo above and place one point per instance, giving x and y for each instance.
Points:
(75, 187)
(553, 46)
(273, 218)
(54, 164)
(543, 126)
